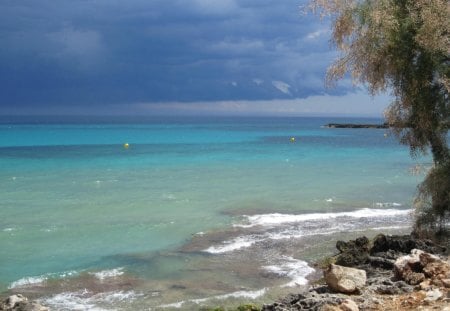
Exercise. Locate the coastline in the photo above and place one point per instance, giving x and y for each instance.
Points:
(383, 290)
(400, 273)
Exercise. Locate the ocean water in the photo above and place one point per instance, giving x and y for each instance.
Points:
(196, 211)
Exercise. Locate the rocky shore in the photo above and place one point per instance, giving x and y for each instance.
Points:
(388, 273)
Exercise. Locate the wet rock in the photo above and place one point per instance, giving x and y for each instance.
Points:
(353, 253)
(345, 280)
(402, 244)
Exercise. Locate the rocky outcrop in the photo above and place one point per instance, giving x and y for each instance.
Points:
(345, 280)
(353, 252)
(20, 303)
(385, 288)
(382, 251)
(357, 126)
(395, 245)
(420, 266)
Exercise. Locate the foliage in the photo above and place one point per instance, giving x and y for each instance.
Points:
(403, 46)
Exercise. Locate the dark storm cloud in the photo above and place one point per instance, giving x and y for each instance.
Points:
(103, 52)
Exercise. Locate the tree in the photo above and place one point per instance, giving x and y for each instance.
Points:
(403, 47)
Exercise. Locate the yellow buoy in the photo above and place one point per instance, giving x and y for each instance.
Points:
(292, 139)
(126, 145)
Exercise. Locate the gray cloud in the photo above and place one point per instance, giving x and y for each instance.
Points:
(110, 52)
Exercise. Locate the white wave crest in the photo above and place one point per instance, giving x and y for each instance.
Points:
(38, 280)
(28, 281)
(295, 269)
(278, 219)
(106, 274)
(232, 245)
(285, 226)
(86, 300)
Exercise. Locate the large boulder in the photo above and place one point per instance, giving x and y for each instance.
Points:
(345, 280)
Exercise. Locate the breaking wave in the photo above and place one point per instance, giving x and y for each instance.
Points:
(278, 226)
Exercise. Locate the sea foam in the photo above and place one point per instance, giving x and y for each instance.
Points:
(38, 280)
(295, 269)
(86, 300)
(278, 219)
(105, 274)
(287, 226)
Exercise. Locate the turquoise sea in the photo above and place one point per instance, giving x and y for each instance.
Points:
(195, 211)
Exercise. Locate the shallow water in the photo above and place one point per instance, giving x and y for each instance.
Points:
(193, 209)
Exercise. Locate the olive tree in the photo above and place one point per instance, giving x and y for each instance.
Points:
(403, 47)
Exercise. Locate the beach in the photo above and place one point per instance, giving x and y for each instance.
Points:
(195, 211)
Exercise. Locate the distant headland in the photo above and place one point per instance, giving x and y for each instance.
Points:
(356, 126)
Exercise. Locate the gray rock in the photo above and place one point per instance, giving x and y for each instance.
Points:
(403, 244)
(345, 280)
(433, 295)
(353, 252)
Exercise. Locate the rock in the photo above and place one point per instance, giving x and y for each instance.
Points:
(345, 280)
(21, 303)
(384, 263)
(433, 295)
(446, 282)
(425, 285)
(403, 244)
(349, 305)
(11, 301)
(353, 253)
(418, 266)
(345, 305)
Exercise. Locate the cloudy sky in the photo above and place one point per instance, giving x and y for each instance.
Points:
(149, 57)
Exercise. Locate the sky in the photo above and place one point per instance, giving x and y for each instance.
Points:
(152, 57)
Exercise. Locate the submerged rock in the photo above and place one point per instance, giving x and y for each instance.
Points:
(345, 280)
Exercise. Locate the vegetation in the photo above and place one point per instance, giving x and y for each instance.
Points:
(403, 47)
